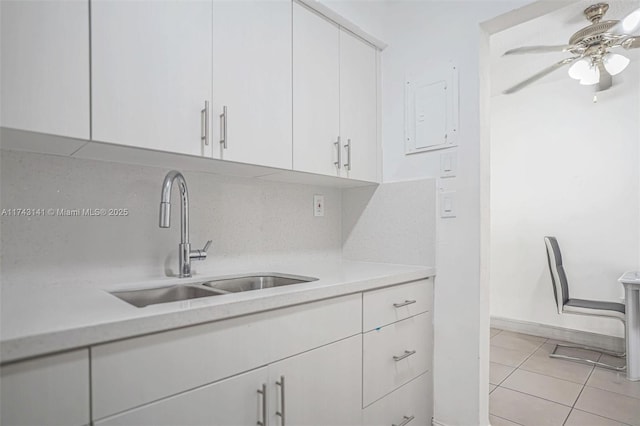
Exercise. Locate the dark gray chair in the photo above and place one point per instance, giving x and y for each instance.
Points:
(566, 305)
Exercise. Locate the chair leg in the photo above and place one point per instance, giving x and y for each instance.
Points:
(553, 354)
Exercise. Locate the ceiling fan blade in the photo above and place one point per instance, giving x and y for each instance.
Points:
(540, 74)
(631, 43)
(630, 24)
(606, 81)
(537, 49)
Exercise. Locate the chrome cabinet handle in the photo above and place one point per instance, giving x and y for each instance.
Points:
(405, 303)
(339, 149)
(263, 392)
(204, 123)
(406, 354)
(223, 127)
(405, 420)
(347, 165)
(281, 412)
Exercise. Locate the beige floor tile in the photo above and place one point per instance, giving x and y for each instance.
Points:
(612, 360)
(551, 388)
(614, 381)
(580, 353)
(508, 357)
(581, 418)
(517, 341)
(525, 409)
(540, 362)
(610, 405)
(498, 372)
(499, 421)
(492, 388)
(494, 332)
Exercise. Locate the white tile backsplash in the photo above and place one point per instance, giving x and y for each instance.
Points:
(249, 220)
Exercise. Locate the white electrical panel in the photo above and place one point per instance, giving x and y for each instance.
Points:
(431, 107)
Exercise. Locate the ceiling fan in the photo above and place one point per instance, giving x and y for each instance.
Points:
(592, 62)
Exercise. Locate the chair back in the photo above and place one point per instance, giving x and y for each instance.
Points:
(558, 277)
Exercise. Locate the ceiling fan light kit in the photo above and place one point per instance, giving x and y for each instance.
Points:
(615, 63)
(592, 62)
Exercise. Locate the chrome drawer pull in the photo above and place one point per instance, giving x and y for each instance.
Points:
(263, 392)
(403, 356)
(281, 412)
(405, 303)
(406, 419)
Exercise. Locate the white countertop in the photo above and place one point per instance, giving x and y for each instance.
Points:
(37, 319)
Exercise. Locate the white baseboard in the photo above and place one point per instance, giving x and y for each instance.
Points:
(434, 422)
(578, 337)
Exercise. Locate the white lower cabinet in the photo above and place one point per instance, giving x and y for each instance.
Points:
(397, 355)
(52, 390)
(231, 402)
(410, 405)
(319, 387)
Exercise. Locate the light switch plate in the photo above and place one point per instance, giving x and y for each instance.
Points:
(447, 204)
(318, 205)
(448, 164)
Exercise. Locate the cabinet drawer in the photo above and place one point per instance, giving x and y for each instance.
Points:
(133, 372)
(231, 402)
(396, 354)
(388, 305)
(301, 328)
(136, 371)
(413, 400)
(53, 390)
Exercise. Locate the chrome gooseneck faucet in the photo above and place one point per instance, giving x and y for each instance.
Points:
(185, 254)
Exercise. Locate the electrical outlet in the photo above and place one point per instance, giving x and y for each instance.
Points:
(318, 205)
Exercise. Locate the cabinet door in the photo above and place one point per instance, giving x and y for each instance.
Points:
(151, 73)
(413, 402)
(252, 79)
(316, 103)
(230, 402)
(358, 107)
(321, 387)
(45, 66)
(52, 390)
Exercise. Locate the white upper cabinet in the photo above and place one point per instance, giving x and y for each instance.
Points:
(316, 92)
(151, 73)
(45, 66)
(252, 80)
(358, 107)
(335, 84)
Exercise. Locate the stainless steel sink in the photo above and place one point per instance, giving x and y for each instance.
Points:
(255, 282)
(174, 293)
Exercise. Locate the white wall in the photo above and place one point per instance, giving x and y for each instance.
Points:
(249, 220)
(564, 166)
(419, 32)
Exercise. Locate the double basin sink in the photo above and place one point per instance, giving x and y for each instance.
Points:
(214, 287)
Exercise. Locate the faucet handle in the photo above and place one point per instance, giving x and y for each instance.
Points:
(200, 254)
